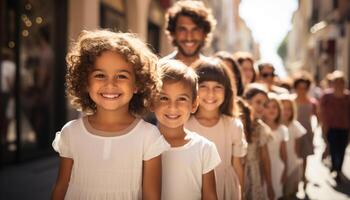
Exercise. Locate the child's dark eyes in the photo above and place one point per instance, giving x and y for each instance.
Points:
(99, 76)
(103, 76)
(219, 87)
(183, 99)
(121, 76)
(163, 98)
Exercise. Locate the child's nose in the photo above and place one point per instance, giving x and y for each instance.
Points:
(112, 82)
(172, 105)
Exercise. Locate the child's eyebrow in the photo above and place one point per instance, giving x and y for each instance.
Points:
(118, 71)
(183, 94)
(124, 70)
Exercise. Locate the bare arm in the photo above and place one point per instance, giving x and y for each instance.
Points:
(265, 157)
(209, 186)
(297, 146)
(152, 178)
(239, 169)
(283, 155)
(64, 173)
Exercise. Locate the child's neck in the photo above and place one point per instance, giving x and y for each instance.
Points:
(273, 125)
(207, 118)
(176, 137)
(286, 123)
(110, 121)
(302, 98)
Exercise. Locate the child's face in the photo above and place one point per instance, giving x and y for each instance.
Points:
(175, 104)
(111, 84)
(211, 95)
(301, 88)
(271, 110)
(247, 71)
(257, 103)
(287, 111)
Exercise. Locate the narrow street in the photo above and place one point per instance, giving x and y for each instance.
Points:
(322, 185)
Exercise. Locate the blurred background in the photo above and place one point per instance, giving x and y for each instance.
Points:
(312, 35)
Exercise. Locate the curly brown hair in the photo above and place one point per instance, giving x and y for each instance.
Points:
(197, 11)
(82, 57)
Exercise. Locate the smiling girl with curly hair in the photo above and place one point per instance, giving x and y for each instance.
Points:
(111, 153)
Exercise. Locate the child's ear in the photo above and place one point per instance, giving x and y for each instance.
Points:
(151, 107)
(136, 89)
(195, 105)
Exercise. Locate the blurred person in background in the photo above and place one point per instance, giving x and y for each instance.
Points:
(307, 107)
(278, 145)
(227, 58)
(8, 75)
(267, 77)
(246, 63)
(257, 164)
(296, 131)
(335, 117)
(40, 113)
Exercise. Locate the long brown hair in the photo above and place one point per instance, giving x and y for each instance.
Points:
(246, 117)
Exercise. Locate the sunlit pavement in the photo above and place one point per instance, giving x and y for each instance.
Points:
(321, 184)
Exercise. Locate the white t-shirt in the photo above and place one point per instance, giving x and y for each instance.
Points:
(277, 166)
(108, 167)
(184, 166)
(296, 130)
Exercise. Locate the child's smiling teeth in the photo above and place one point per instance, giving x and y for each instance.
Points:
(210, 101)
(172, 116)
(110, 96)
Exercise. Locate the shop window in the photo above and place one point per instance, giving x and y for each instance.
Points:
(29, 35)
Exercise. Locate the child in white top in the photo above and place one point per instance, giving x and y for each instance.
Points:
(111, 153)
(296, 131)
(188, 167)
(277, 146)
(216, 119)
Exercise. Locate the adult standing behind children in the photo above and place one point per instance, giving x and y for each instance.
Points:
(190, 25)
(111, 153)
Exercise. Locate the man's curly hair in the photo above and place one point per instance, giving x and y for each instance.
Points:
(197, 11)
(81, 61)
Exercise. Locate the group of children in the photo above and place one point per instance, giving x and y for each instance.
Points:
(208, 143)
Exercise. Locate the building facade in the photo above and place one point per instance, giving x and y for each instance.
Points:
(320, 39)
